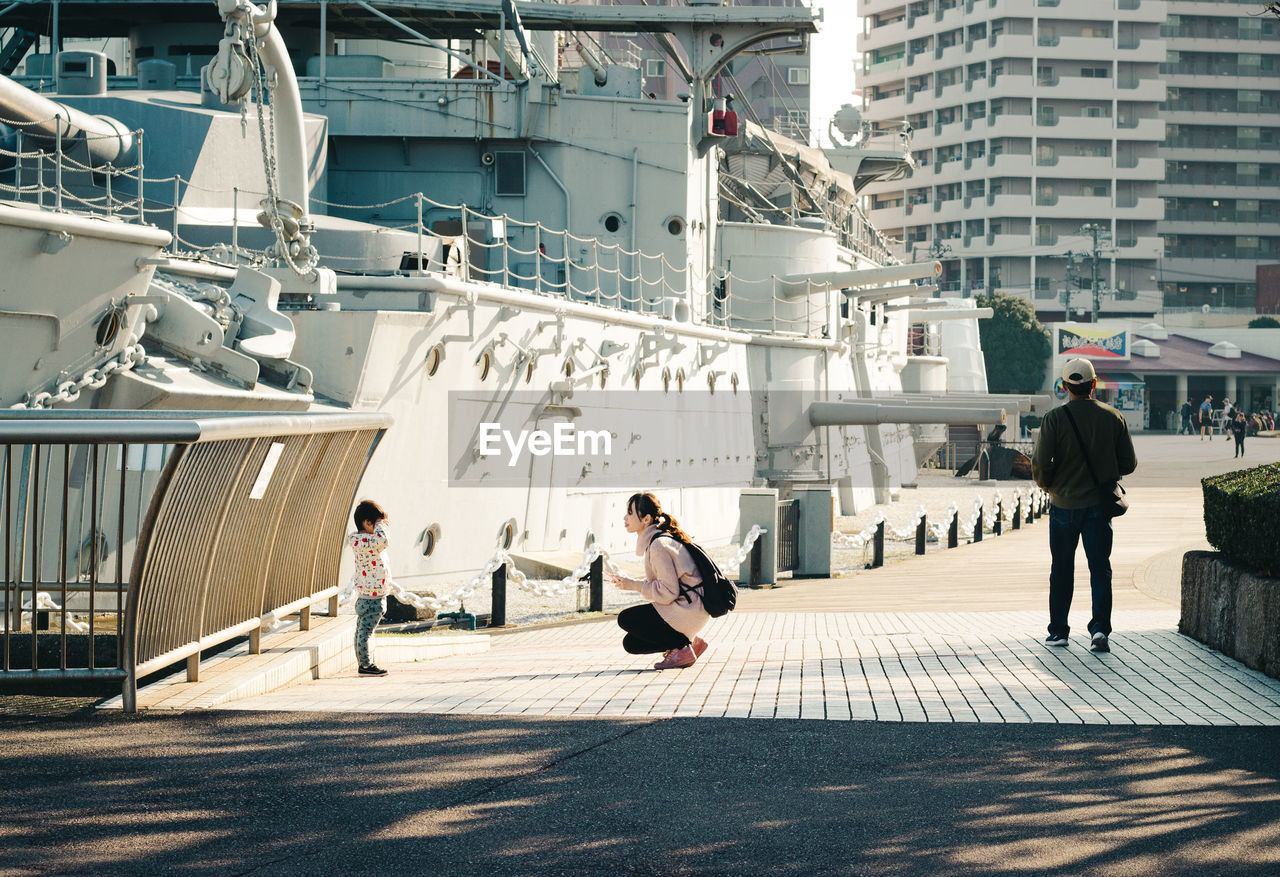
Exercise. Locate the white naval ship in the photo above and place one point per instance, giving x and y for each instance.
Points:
(563, 290)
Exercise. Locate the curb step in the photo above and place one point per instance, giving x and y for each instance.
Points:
(289, 657)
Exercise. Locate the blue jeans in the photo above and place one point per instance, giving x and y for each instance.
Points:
(1067, 527)
(368, 614)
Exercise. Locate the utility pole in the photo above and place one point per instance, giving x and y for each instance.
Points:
(1097, 233)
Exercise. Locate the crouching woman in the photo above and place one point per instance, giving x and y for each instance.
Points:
(672, 619)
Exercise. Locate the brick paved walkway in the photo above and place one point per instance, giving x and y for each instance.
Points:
(881, 666)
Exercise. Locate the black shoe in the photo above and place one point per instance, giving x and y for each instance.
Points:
(1099, 643)
(1056, 640)
(372, 670)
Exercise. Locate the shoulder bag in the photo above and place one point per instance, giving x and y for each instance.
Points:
(1113, 502)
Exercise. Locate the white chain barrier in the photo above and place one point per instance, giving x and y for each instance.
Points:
(45, 603)
(939, 529)
(270, 622)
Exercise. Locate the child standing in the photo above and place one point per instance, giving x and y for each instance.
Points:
(1239, 429)
(372, 579)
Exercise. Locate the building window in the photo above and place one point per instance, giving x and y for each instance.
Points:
(797, 76)
(655, 67)
(1096, 72)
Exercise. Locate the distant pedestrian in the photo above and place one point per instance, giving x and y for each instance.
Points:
(372, 579)
(1239, 429)
(1206, 418)
(1082, 444)
(1228, 417)
(672, 619)
(1186, 418)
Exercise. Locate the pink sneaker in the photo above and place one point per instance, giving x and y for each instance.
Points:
(699, 646)
(677, 658)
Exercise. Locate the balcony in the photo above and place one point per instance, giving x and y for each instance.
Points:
(1073, 206)
(1005, 165)
(1076, 127)
(890, 107)
(1008, 205)
(1095, 167)
(885, 35)
(1152, 51)
(1011, 46)
(882, 71)
(1007, 125)
(1141, 129)
(949, 211)
(1141, 90)
(1147, 209)
(1072, 48)
(1150, 247)
(1148, 168)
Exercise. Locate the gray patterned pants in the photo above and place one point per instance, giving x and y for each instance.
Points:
(368, 613)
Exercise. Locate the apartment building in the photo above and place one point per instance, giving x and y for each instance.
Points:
(772, 88)
(1221, 186)
(1037, 132)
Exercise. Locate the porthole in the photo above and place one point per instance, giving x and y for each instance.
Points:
(679, 380)
(108, 328)
(666, 380)
(733, 382)
(430, 537)
(612, 222)
(434, 357)
(486, 363)
(675, 226)
(507, 535)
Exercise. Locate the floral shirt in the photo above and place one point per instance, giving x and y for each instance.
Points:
(372, 575)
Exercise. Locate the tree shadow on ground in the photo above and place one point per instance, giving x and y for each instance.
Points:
(232, 792)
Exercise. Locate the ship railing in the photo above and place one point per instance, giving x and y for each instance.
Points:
(527, 254)
(45, 171)
(135, 540)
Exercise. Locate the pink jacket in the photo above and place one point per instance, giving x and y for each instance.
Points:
(666, 564)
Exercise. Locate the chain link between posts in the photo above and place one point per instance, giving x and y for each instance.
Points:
(93, 379)
(965, 529)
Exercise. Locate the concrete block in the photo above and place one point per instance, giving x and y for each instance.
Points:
(816, 523)
(1231, 610)
(759, 506)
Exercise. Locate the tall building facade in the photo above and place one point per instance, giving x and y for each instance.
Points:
(1222, 173)
(772, 88)
(1037, 135)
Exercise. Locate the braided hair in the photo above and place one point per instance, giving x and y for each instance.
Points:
(646, 504)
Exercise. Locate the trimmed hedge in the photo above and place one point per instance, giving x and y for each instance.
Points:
(1242, 517)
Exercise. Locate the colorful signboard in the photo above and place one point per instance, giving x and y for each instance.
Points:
(1091, 342)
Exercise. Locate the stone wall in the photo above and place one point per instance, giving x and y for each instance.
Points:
(1231, 610)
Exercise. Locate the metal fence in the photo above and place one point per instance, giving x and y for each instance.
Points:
(134, 540)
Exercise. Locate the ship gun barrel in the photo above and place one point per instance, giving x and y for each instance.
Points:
(106, 140)
(798, 285)
(923, 411)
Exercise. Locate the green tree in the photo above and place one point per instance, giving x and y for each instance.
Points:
(1264, 323)
(1015, 345)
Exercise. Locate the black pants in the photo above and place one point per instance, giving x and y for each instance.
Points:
(647, 632)
(1239, 446)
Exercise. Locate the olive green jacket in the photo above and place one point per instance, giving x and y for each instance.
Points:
(1059, 467)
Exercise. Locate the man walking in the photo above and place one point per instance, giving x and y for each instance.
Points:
(1059, 465)
(1186, 418)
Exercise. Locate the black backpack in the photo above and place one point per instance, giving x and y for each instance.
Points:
(719, 594)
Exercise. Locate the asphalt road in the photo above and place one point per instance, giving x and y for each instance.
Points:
(298, 793)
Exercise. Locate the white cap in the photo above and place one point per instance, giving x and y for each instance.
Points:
(1078, 371)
